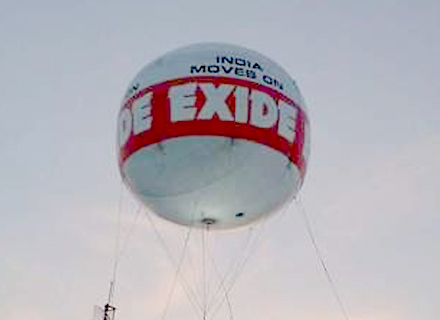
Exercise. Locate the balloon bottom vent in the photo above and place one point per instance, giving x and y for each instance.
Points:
(208, 221)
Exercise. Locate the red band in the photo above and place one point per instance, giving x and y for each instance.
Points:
(162, 128)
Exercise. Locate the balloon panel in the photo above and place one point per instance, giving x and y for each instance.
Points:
(237, 184)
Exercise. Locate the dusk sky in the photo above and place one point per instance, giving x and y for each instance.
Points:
(370, 76)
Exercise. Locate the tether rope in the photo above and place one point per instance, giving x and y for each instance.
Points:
(184, 283)
(177, 273)
(328, 275)
(241, 264)
(234, 266)
(116, 247)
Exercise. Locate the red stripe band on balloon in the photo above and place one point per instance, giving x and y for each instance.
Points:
(162, 128)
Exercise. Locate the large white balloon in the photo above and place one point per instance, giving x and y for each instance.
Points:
(213, 134)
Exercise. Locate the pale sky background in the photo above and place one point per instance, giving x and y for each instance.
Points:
(370, 75)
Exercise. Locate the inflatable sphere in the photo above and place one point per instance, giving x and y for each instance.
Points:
(213, 135)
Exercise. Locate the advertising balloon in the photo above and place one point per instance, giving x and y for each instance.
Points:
(213, 134)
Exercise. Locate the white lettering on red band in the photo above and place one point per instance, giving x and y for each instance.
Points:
(216, 102)
(182, 100)
(141, 110)
(212, 106)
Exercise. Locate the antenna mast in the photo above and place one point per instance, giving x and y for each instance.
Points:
(109, 309)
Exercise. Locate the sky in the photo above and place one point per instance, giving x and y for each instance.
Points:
(369, 73)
